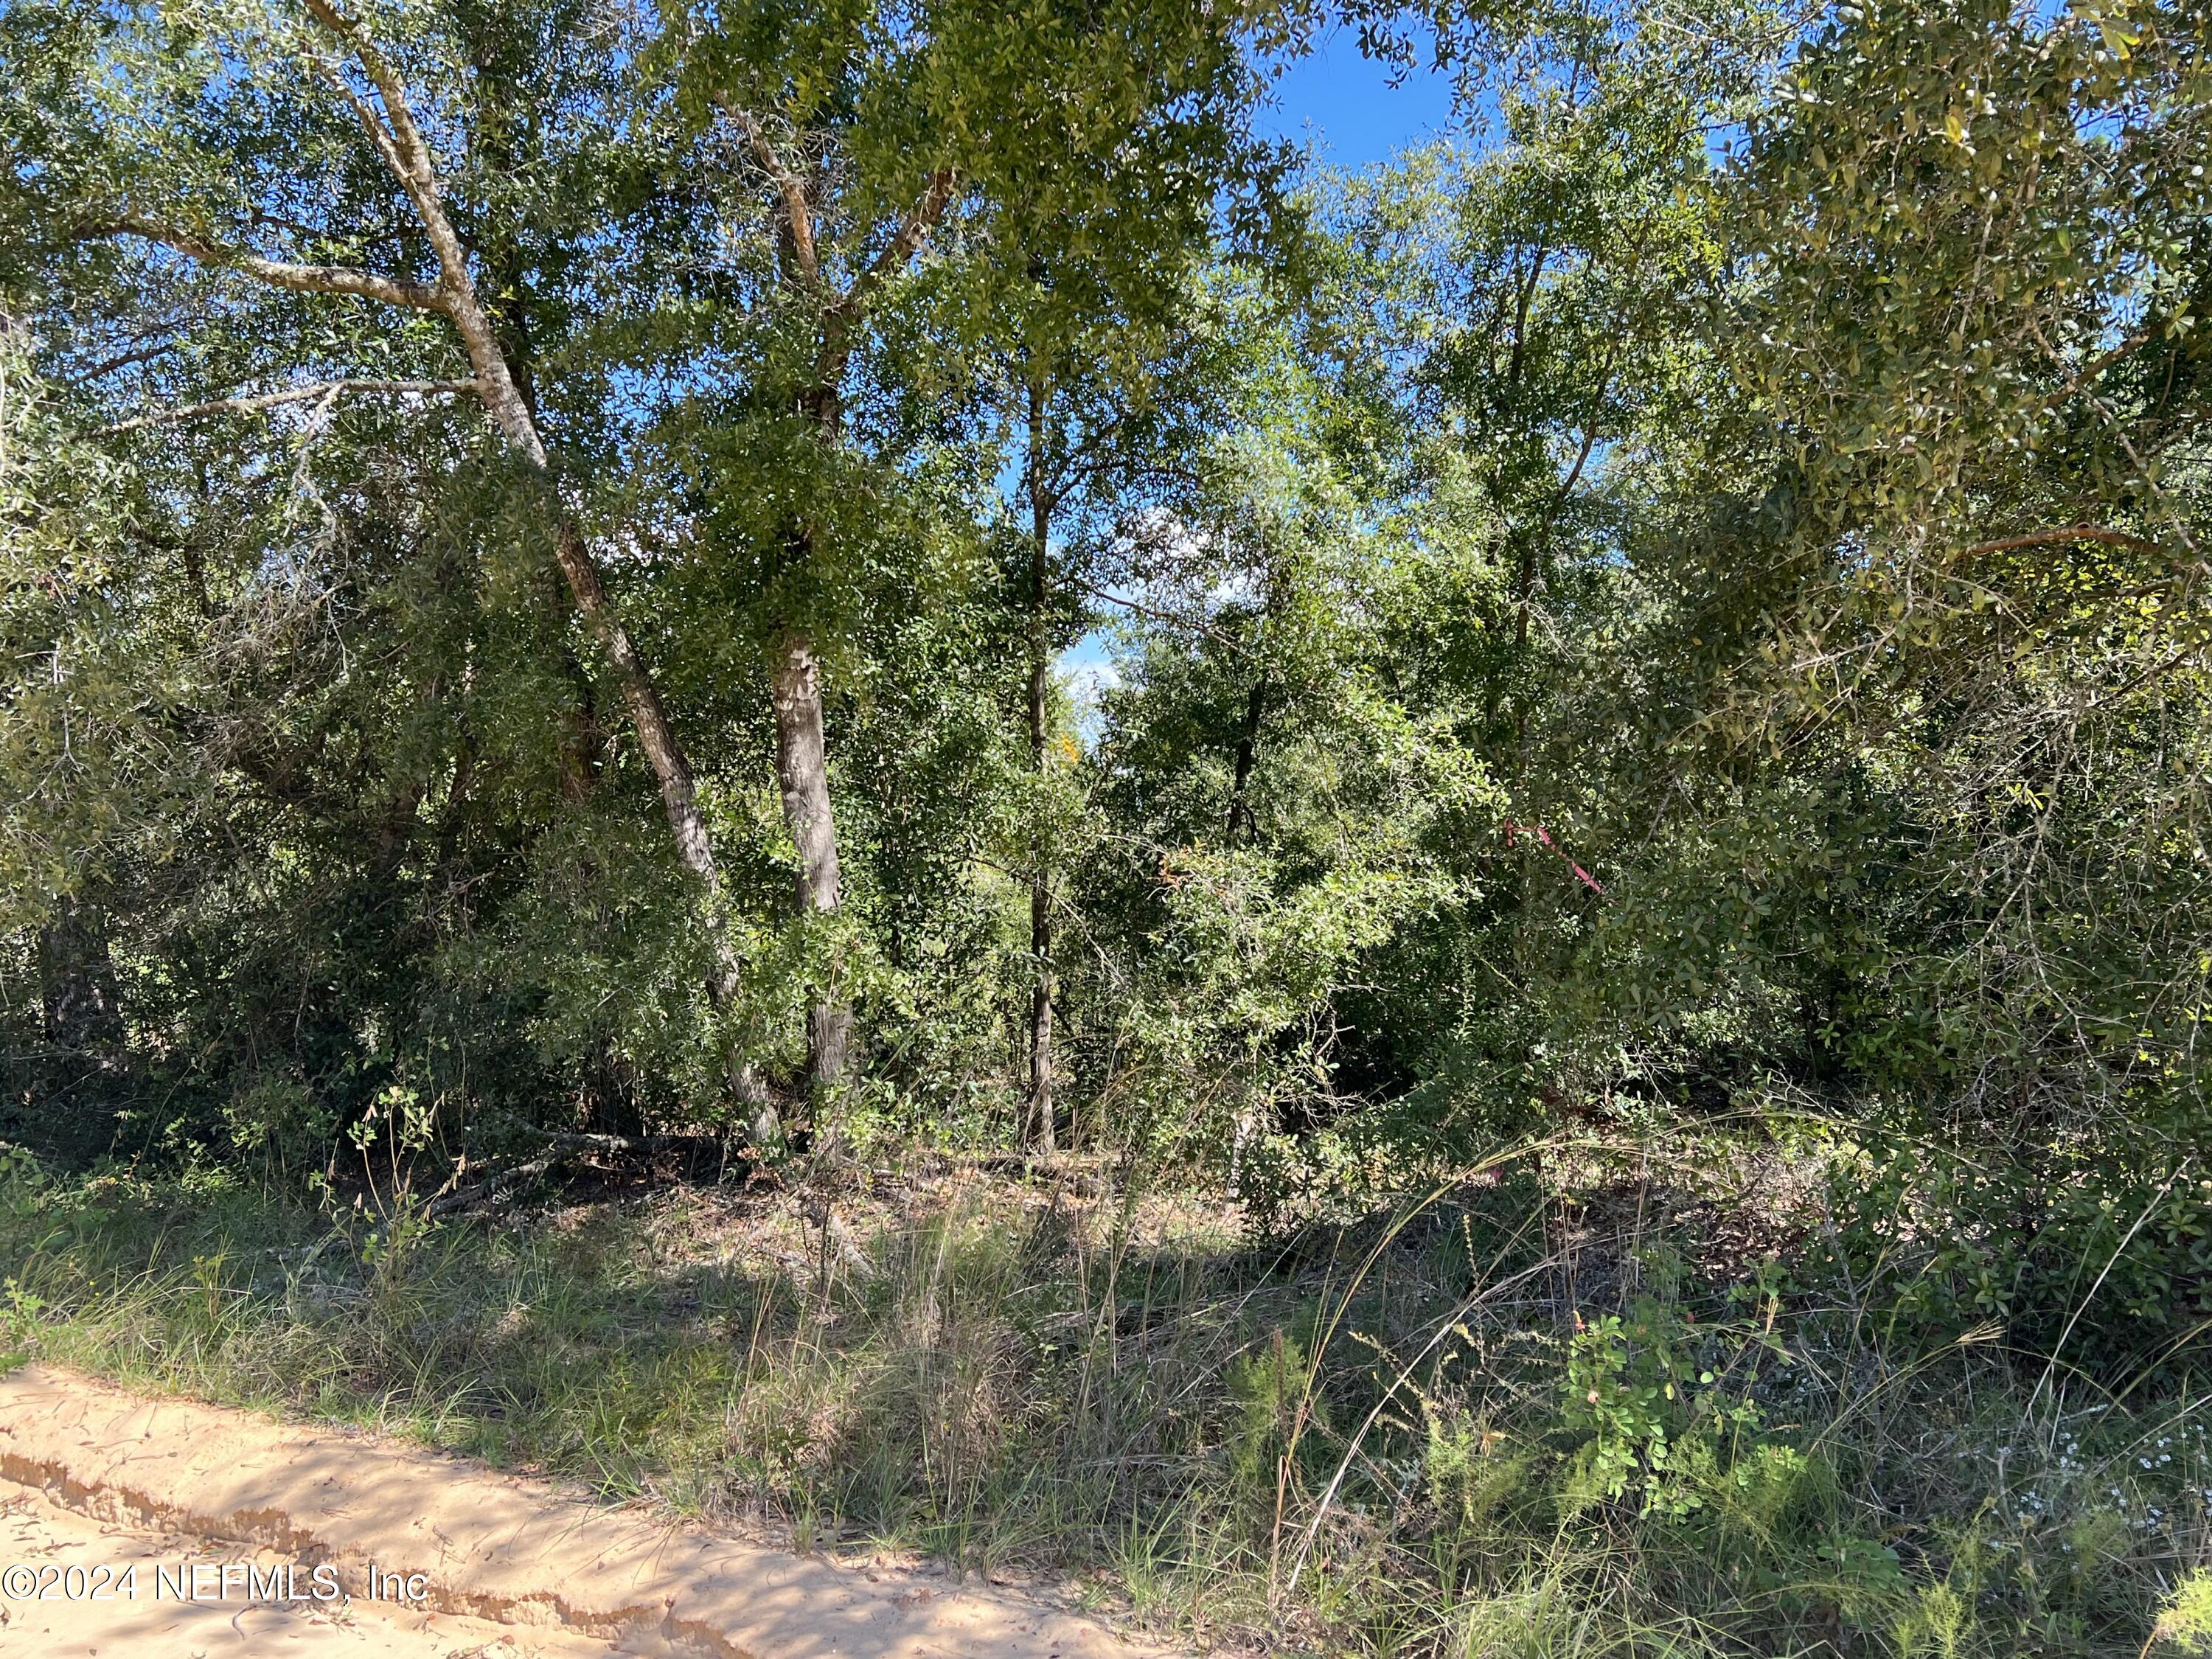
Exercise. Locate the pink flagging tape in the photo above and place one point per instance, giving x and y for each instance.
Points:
(1537, 831)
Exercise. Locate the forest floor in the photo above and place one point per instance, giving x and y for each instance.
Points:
(1597, 1404)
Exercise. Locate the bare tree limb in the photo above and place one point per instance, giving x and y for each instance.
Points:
(789, 186)
(296, 395)
(914, 230)
(403, 147)
(279, 273)
(1197, 625)
(2072, 532)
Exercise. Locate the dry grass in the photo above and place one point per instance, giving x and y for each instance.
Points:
(1393, 1433)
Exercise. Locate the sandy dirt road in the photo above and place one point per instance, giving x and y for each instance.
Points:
(37, 1533)
(498, 1566)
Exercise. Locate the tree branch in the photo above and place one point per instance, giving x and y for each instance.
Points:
(278, 273)
(2096, 367)
(405, 155)
(405, 152)
(788, 187)
(296, 395)
(379, 135)
(2072, 532)
(1197, 625)
(144, 354)
(914, 230)
(839, 321)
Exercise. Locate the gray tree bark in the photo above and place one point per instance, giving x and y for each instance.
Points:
(1037, 1114)
(802, 768)
(407, 156)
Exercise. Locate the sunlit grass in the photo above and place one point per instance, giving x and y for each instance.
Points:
(1373, 1437)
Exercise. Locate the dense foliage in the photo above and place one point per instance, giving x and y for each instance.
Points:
(537, 540)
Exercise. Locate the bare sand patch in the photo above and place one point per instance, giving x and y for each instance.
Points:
(37, 1532)
(95, 1474)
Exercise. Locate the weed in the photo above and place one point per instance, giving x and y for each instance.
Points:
(1402, 1435)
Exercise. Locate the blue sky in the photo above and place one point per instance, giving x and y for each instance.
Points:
(1344, 107)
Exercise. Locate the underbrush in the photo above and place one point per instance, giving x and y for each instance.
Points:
(1628, 1400)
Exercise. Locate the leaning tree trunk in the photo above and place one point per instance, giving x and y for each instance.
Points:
(802, 770)
(400, 144)
(656, 737)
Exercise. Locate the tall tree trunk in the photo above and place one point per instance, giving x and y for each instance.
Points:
(77, 983)
(794, 681)
(1248, 749)
(503, 383)
(1038, 1114)
(803, 772)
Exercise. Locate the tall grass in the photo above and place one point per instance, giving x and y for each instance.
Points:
(1576, 1413)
